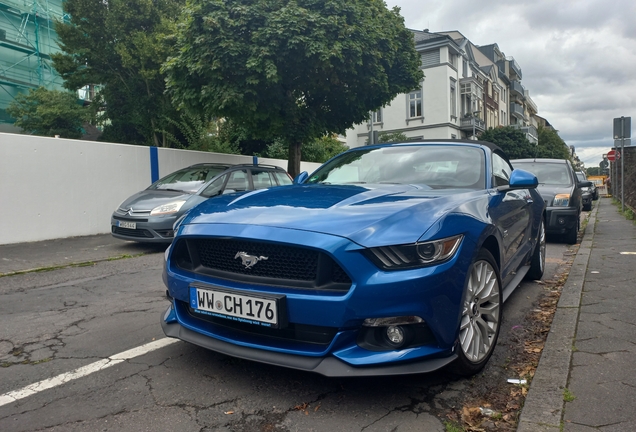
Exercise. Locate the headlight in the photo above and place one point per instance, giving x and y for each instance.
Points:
(415, 255)
(172, 207)
(561, 200)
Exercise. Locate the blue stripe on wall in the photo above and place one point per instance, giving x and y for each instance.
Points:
(154, 164)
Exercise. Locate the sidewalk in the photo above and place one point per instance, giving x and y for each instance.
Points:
(585, 379)
(21, 257)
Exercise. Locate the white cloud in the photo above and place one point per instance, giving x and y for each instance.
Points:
(577, 57)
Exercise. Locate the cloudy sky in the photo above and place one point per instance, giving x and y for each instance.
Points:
(578, 57)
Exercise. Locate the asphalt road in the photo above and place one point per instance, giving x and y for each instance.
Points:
(63, 332)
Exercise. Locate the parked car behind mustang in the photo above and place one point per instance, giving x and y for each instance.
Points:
(592, 191)
(149, 215)
(389, 259)
(562, 193)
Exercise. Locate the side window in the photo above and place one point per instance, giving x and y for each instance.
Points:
(215, 188)
(262, 179)
(283, 179)
(500, 171)
(238, 181)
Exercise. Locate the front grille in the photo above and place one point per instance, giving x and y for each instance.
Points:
(132, 212)
(276, 264)
(141, 233)
(131, 219)
(292, 332)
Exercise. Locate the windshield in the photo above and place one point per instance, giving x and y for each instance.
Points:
(188, 179)
(433, 166)
(547, 173)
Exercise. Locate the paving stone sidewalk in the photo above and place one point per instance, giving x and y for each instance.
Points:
(585, 380)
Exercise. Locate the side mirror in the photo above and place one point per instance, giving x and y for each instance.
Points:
(521, 179)
(586, 183)
(300, 178)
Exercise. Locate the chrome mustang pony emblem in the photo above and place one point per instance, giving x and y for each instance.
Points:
(249, 260)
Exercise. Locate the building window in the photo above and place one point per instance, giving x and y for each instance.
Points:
(465, 69)
(377, 116)
(453, 60)
(430, 58)
(415, 104)
(453, 98)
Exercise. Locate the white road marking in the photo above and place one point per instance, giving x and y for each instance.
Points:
(83, 371)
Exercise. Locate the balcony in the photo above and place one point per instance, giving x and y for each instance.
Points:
(517, 89)
(517, 111)
(514, 67)
(531, 133)
(467, 124)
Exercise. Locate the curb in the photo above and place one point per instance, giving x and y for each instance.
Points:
(543, 407)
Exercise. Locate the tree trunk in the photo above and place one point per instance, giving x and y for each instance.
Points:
(293, 162)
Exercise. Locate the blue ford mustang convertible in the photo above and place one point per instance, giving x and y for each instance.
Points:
(388, 259)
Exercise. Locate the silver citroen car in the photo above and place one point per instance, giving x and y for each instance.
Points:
(148, 216)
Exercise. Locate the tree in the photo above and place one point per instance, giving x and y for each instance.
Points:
(511, 140)
(49, 113)
(121, 45)
(551, 145)
(319, 150)
(389, 137)
(294, 70)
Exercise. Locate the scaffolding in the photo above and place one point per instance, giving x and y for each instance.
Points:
(27, 41)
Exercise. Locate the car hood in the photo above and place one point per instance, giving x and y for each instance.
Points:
(391, 214)
(150, 198)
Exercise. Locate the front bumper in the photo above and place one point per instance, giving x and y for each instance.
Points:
(328, 366)
(148, 230)
(560, 220)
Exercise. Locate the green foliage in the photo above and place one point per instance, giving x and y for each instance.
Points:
(291, 70)
(322, 149)
(318, 150)
(389, 137)
(593, 171)
(568, 396)
(49, 113)
(199, 134)
(122, 45)
(511, 140)
(551, 145)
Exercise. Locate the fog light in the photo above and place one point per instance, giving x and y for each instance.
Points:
(561, 221)
(395, 334)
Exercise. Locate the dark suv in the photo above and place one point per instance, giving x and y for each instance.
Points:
(148, 216)
(561, 190)
(589, 193)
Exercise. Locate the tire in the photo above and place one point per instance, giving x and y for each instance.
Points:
(587, 207)
(537, 264)
(481, 316)
(572, 236)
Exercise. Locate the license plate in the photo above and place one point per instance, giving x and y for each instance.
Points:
(124, 224)
(238, 306)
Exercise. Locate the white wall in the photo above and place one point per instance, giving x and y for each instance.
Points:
(56, 188)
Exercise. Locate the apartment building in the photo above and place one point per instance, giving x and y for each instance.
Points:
(466, 89)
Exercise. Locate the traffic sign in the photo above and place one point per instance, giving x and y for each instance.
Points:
(612, 155)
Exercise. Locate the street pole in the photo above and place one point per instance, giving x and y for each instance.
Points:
(371, 134)
(622, 164)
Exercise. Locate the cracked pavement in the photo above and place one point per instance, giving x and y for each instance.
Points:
(57, 321)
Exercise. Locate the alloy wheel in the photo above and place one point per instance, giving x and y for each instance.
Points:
(480, 313)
